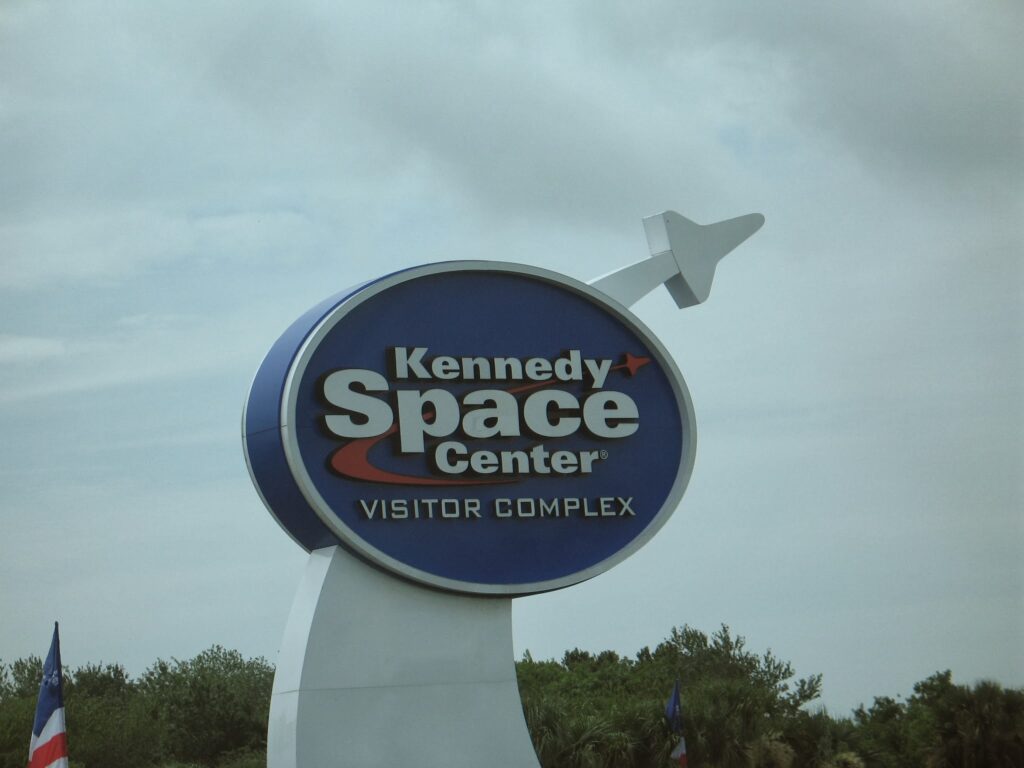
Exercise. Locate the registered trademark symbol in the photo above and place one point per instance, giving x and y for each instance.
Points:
(604, 454)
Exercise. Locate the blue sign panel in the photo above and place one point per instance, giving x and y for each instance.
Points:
(480, 427)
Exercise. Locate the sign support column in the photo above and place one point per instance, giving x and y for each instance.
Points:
(376, 672)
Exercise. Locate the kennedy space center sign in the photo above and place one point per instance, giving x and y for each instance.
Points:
(480, 427)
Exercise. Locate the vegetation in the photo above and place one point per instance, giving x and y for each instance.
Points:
(207, 711)
(740, 710)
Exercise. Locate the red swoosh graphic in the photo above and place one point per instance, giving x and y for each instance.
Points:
(353, 459)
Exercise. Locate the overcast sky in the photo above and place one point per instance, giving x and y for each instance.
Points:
(179, 181)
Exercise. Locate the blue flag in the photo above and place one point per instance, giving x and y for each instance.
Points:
(674, 710)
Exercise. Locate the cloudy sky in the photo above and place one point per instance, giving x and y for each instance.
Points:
(179, 181)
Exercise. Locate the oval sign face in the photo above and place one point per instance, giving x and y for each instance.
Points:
(480, 427)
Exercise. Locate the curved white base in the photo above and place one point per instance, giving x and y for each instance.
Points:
(375, 672)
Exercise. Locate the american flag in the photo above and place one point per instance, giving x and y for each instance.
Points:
(49, 745)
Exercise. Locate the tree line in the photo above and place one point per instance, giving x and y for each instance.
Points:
(740, 710)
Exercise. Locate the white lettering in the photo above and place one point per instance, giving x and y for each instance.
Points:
(445, 368)
(537, 417)
(602, 408)
(443, 458)
(569, 368)
(454, 458)
(501, 419)
(403, 363)
(412, 422)
(376, 414)
(598, 370)
(538, 369)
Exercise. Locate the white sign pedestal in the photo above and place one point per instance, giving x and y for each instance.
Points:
(375, 672)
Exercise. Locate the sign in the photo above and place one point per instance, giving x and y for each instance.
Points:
(481, 427)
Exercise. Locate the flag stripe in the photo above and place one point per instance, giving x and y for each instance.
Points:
(53, 726)
(49, 752)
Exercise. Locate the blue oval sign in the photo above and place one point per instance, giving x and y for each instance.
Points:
(480, 427)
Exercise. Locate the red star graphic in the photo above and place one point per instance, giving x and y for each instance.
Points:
(634, 364)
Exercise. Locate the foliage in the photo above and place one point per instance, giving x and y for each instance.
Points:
(207, 711)
(944, 725)
(743, 710)
(24, 676)
(210, 705)
(736, 704)
(740, 710)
